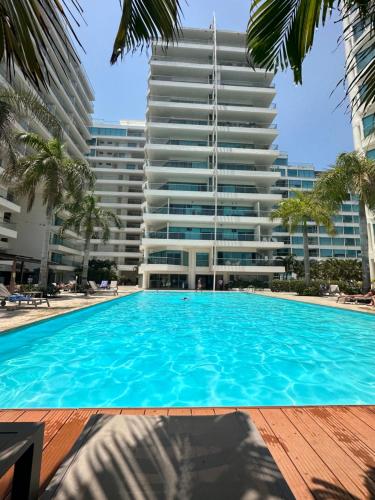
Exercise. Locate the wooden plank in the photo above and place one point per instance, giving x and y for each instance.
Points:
(202, 411)
(364, 414)
(156, 412)
(292, 476)
(61, 443)
(348, 472)
(133, 411)
(346, 438)
(110, 411)
(179, 411)
(10, 415)
(364, 432)
(306, 460)
(224, 411)
(32, 416)
(54, 420)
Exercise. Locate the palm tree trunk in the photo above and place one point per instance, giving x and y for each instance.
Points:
(43, 273)
(306, 255)
(366, 282)
(85, 266)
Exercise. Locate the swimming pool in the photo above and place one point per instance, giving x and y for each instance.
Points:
(214, 349)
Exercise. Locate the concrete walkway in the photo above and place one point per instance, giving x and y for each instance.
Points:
(65, 302)
(319, 301)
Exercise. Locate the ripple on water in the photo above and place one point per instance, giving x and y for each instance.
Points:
(152, 349)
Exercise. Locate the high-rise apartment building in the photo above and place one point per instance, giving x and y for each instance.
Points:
(345, 244)
(360, 51)
(117, 157)
(70, 98)
(208, 164)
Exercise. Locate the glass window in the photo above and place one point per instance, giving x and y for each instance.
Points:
(325, 252)
(297, 240)
(325, 241)
(339, 252)
(108, 131)
(307, 184)
(364, 57)
(368, 123)
(201, 260)
(295, 184)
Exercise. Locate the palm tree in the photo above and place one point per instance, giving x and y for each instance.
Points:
(298, 211)
(26, 26)
(352, 173)
(84, 218)
(50, 170)
(280, 33)
(21, 103)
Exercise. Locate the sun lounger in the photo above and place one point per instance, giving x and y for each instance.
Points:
(113, 286)
(95, 289)
(182, 457)
(24, 299)
(104, 284)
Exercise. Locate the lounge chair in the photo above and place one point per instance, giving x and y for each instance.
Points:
(104, 284)
(183, 457)
(113, 286)
(368, 298)
(24, 299)
(95, 289)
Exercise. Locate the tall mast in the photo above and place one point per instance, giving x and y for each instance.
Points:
(214, 144)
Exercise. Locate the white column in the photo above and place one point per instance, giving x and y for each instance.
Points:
(191, 275)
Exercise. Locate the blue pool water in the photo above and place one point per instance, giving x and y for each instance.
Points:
(154, 349)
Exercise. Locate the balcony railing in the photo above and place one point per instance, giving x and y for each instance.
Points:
(178, 187)
(210, 236)
(8, 225)
(205, 187)
(187, 100)
(208, 81)
(174, 261)
(246, 83)
(192, 121)
(207, 100)
(222, 212)
(178, 164)
(200, 143)
(247, 262)
(203, 60)
(204, 164)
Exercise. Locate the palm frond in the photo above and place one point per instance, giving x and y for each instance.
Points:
(143, 21)
(23, 102)
(26, 27)
(281, 33)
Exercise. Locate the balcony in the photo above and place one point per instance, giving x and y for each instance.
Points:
(205, 192)
(225, 215)
(221, 123)
(8, 230)
(6, 201)
(256, 266)
(251, 241)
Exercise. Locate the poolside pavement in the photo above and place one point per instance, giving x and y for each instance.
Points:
(319, 301)
(65, 302)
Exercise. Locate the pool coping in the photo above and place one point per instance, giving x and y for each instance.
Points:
(64, 313)
(294, 298)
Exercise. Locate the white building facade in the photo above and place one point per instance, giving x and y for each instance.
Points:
(70, 98)
(117, 159)
(345, 244)
(208, 165)
(360, 51)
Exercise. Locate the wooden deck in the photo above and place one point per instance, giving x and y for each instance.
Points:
(323, 452)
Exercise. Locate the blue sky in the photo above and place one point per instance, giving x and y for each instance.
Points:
(311, 129)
